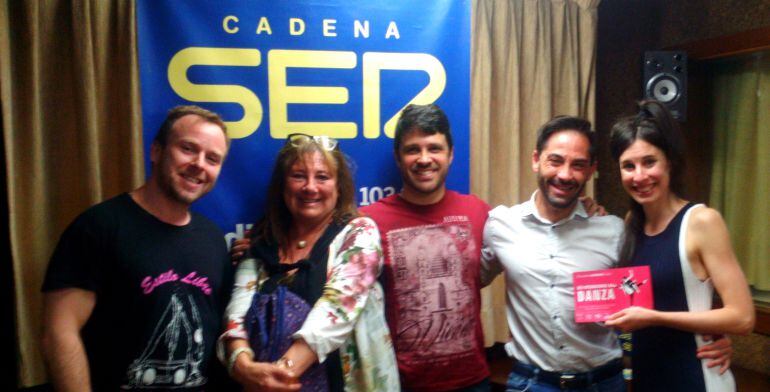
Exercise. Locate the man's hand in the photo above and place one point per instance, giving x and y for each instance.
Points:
(240, 246)
(719, 351)
(592, 207)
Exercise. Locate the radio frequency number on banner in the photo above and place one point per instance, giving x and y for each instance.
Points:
(370, 195)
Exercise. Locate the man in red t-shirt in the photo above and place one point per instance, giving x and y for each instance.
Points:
(431, 238)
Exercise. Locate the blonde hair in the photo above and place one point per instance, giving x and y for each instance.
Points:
(161, 138)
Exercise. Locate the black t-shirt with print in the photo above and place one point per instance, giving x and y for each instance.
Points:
(160, 293)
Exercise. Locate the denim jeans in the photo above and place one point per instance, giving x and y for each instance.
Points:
(519, 383)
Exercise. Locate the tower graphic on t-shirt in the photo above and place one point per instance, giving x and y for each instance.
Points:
(173, 355)
(435, 306)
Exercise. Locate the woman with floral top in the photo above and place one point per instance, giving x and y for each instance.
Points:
(312, 241)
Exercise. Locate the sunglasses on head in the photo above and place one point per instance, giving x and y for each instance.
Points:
(325, 142)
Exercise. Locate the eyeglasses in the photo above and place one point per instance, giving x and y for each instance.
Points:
(325, 142)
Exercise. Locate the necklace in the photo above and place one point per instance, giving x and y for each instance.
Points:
(312, 237)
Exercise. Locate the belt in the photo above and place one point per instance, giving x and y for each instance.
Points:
(570, 380)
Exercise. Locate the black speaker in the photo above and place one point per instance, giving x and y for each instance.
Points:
(665, 80)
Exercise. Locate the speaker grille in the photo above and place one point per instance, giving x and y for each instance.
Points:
(665, 80)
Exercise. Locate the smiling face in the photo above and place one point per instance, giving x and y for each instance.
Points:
(563, 167)
(644, 172)
(187, 167)
(424, 161)
(310, 190)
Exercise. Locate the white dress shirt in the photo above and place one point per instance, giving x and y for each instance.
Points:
(538, 258)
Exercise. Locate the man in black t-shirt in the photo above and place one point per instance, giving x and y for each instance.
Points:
(136, 286)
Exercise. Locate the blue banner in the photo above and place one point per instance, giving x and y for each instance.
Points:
(271, 68)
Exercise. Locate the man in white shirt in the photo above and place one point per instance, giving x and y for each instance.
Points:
(539, 244)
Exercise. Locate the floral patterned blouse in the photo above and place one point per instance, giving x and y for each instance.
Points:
(349, 316)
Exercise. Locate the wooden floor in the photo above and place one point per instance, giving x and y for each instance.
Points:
(746, 380)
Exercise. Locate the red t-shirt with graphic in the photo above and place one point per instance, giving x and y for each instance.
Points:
(431, 281)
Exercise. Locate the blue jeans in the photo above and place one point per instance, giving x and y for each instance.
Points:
(519, 383)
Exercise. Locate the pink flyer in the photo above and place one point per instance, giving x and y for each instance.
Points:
(601, 293)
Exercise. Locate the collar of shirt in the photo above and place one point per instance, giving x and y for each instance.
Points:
(529, 210)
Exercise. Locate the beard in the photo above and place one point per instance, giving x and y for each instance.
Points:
(556, 201)
(174, 191)
(424, 188)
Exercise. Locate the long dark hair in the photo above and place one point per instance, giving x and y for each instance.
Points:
(273, 228)
(655, 125)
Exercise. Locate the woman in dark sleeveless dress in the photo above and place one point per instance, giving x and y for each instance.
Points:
(688, 249)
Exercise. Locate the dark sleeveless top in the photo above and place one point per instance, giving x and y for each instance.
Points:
(663, 359)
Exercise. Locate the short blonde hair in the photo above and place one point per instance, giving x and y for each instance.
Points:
(161, 138)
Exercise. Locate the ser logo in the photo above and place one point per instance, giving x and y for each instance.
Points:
(281, 94)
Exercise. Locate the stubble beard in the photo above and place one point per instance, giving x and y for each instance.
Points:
(166, 182)
(561, 204)
(413, 185)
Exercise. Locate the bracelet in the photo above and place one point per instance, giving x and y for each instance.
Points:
(234, 355)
